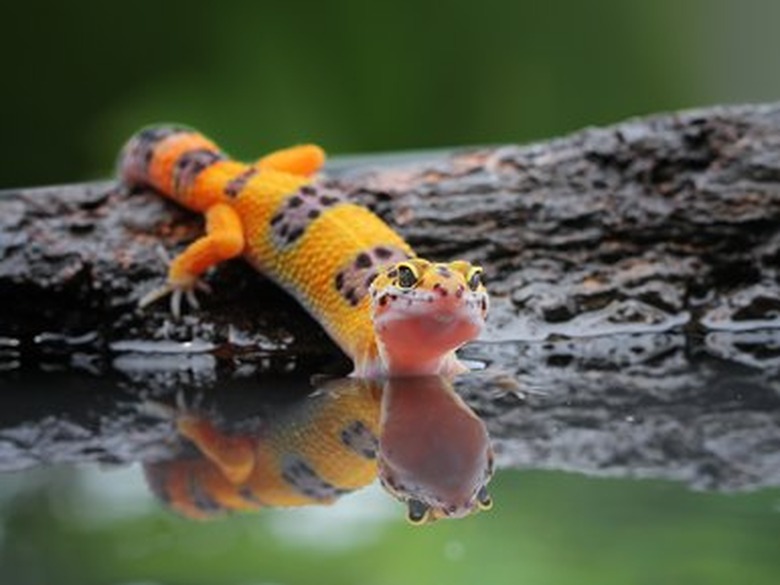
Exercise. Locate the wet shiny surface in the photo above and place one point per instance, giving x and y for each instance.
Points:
(201, 464)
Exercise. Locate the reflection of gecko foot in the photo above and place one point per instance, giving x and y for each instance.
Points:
(157, 410)
(172, 412)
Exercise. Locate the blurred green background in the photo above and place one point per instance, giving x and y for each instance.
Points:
(79, 77)
(82, 527)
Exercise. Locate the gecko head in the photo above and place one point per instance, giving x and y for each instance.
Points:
(423, 310)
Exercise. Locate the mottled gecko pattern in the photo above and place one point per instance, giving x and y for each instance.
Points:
(322, 248)
(312, 453)
(299, 211)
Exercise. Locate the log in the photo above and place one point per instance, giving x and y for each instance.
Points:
(633, 273)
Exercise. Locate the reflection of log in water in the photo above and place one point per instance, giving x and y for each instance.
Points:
(648, 405)
(636, 406)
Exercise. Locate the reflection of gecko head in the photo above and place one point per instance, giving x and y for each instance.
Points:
(434, 452)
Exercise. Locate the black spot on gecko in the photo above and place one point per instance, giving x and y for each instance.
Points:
(295, 234)
(363, 260)
(352, 296)
(299, 210)
(190, 164)
(139, 152)
(382, 253)
(444, 271)
(359, 438)
(356, 276)
(247, 494)
(302, 477)
(236, 185)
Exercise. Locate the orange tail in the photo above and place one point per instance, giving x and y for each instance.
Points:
(171, 160)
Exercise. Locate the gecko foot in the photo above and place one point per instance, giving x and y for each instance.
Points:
(182, 288)
(177, 292)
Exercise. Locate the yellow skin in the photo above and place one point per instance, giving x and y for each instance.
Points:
(337, 258)
(427, 446)
(310, 452)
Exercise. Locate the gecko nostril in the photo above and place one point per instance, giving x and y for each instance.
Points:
(459, 292)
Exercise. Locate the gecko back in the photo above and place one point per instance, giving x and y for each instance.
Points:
(308, 238)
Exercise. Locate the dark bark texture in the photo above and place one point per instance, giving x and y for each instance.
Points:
(634, 272)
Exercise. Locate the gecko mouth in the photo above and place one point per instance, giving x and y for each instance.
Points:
(423, 318)
(394, 307)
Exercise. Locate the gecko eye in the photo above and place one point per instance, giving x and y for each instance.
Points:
(417, 513)
(484, 500)
(407, 277)
(475, 278)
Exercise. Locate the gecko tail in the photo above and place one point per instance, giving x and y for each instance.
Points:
(169, 159)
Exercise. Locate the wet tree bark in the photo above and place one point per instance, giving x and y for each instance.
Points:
(662, 221)
(634, 272)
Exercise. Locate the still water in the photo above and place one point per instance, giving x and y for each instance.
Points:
(628, 459)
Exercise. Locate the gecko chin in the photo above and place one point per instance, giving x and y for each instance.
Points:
(417, 331)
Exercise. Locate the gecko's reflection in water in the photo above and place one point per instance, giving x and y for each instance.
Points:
(426, 445)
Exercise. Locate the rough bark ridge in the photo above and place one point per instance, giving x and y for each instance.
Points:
(659, 220)
(634, 272)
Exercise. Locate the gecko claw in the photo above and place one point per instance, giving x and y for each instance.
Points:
(155, 295)
(177, 290)
(184, 293)
(176, 295)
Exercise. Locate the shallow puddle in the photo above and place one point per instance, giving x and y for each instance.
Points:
(625, 458)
